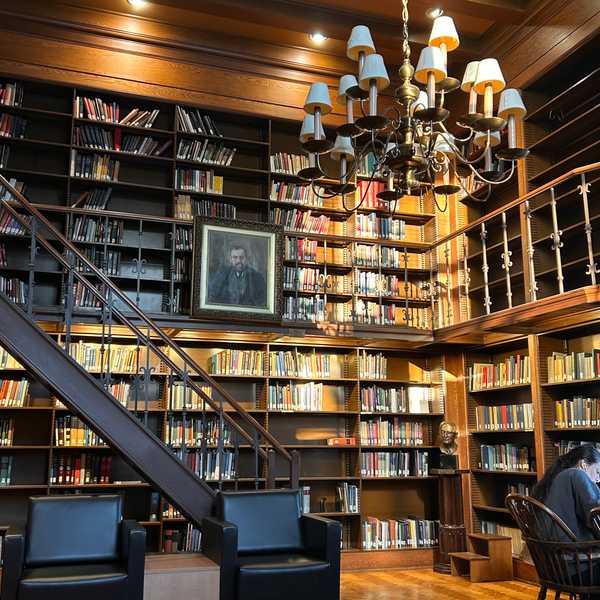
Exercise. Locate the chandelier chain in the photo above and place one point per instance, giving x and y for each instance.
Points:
(405, 43)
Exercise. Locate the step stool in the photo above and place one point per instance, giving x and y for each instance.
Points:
(489, 558)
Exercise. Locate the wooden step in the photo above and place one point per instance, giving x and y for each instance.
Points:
(189, 576)
(468, 556)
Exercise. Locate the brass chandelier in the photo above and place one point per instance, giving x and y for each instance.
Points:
(412, 149)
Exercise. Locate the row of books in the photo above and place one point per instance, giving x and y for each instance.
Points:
(15, 289)
(182, 396)
(80, 469)
(294, 219)
(572, 366)
(192, 432)
(237, 362)
(564, 446)
(6, 467)
(301, 249)
(373, 284)
(513, 533)
(91, 136)
(410, 399)
(506, 457)
(373, 313)
(121, 391)
(8, 224)
(13, 392)
(313, 309)
(96, 358)
(12, 126)
(108, 261)
(307, 279)
(367, 192)
(70, 430)
(505, 417)
(205, 152)
(194, 180)
(295, 397)
(389, 534)
(97, 109)
(211, 465)
(7, 361)
(292, 363)
(89, 229)
(94, 166)
(403, 463)
(577, 412)
(183, 238)
(289, 164)
(374, 226)
(513, 370)
(97, 199)
(296, 193)
(182, 540)
(11, 94)
(84, 297)
(191, 120)
(186, 208)
(181, 268)
(391, 432)
(346, 498)
(7, 431)
(375, 256)
(372, 366)
(4, 154)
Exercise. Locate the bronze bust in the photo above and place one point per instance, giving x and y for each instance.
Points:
(448, 446)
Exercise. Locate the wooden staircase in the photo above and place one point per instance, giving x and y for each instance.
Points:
(489, 558)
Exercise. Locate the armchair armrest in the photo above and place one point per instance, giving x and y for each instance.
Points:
(322, 538)
(13, 556)
(220, 543)
(133, 551)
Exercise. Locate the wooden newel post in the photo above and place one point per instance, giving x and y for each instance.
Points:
(452, 536)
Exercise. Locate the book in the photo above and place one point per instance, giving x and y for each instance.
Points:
(194, 432)
(191, 120)
(12, 126)
(341, 441)
(506, 457)
(296, 193)
(92, 229)
(7, 361)
(7, 430)
(14, 392)
(94, 166)
(16, 290)
(182, 397)
(80, 469)
(4, 154)
(295, 397)
(11, 94)
(504, 417)
(402, 463)
(391, 432)
(288, 164)
(294, 363)
(205, 151)
(513, 370)
(386, 534)
(194, 180)
(572, 366)
(186, 208)
(121, 359)
(237, 362)
(305, 491)
(6, 465)
(70, 430)
(578, 411)
(372, 366)
(374, 226)
(346, 498)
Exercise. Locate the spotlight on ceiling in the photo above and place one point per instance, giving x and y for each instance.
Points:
(434, 13)
(137, 3)
(317, 38)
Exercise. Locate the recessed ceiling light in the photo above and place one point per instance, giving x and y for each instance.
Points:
(317, 38)
(434, 13)
(137, 3)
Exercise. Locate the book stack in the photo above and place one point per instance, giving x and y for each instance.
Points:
(295, 193)
(367, 283)
(293, 219)
(94, 166)
(303, 279)
(11, 94)
(90, 229)
(573, 366)
(84, 297)
(14, 288)
(7, 361)
(12, 126)
(190, 120)
(7, 431)
(513, 533)
(411, 463)
(181, 268)
(194, 180)
(288, 164)
(505, 417)
(373, 226)
(237, 362)
(82, 469)
(183, 239)
(205, 152)
(93, 357)
(109, 261)
(564, 446)
(6, 465)
(391, 432)
(8, 224)
(292, 363)
(514, 370)
(296, 397)
(347, 498)
(304, 309)
(391, 534)
(373, 313)
(182, 397)
(182, 540)
(191, 431)
(4, 154)
(97, 199)
(578, 411)
(92, 136)
(301, 249)
(211, 465)
(367, 192)
(121, 392)
(13, 392)
(70, 430)
(374, 398)
(97, 109)
(372, 366)
(505, 457)
(186, 208)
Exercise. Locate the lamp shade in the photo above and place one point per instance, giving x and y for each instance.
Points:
(421, 101)
(489, 73)
(470, 76)
(307, 132)
(318, 97)
(442, 144)
(360, 40)
(480, 138)
(342, 146)
(444, 32)
(374, 68)
(511, 103)
(346, 82)
(431, 60)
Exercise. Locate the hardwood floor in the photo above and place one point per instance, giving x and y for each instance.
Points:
(424, 584)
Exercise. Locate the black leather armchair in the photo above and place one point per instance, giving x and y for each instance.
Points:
(268, 550)
(75, 548)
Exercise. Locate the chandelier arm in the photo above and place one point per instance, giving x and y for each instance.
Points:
(499, 181)
(467, 139)
(460, 155)
(469, 195)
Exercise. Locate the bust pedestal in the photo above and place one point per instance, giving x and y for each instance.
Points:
(452, 536)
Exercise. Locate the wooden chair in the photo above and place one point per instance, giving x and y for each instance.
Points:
(563, 564)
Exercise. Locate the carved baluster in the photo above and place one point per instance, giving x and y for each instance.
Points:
(533, 288)
(506, 262)
(584, 190)
(557, 244)
(448, 285)
(487, 302)
(466, 274)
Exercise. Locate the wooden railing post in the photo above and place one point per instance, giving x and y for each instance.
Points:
(271, 469)
(295, 470)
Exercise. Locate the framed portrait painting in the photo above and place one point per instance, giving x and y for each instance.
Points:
(237, 269)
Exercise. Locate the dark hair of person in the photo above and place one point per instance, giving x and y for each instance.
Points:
(587, 453)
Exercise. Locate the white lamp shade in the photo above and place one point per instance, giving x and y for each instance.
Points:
(374, 68)
(421, 101)
(480, 138)
(342, 146)
(308, 129)
(360, 40)
(318, 97)
(444, 32)
(442, 144)
(489, 73)
(470, 76)
(346, 82)
(431, 60)
(511, 103)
